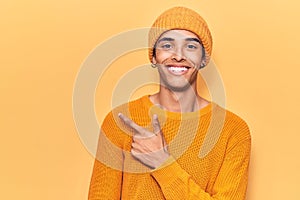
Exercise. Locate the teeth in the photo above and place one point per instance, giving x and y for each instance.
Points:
(177, 69)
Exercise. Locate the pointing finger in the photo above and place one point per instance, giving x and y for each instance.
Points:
(130, 123)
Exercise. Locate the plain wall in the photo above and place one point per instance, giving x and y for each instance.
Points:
(44, 43)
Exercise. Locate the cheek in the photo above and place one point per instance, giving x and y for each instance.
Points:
(162, 55)
(196, 58)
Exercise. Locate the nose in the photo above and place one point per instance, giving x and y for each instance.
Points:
(178, 55)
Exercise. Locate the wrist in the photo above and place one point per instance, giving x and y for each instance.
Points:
(162, 160)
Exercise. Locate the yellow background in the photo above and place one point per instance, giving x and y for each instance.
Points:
(43, 44)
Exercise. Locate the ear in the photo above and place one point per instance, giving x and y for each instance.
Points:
(203, 63)
(154, 60)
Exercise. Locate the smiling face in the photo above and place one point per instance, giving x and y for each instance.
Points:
(178, 55)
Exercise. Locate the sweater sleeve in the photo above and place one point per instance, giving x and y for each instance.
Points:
(230, 184)
(106, 180)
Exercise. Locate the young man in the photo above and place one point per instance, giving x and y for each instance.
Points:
(173, 144)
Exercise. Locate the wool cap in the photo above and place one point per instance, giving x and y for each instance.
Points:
(181, 18)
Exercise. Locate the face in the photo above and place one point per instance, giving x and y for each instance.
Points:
(178, 55)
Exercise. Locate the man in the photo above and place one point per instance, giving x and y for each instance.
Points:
(173, 144)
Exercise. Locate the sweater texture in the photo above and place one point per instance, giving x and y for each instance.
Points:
(210, 152)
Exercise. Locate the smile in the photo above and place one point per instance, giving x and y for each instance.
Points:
(178, 70)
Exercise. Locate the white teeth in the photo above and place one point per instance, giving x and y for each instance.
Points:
(177, 69)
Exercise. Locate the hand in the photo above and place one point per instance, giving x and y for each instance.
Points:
(148, 147)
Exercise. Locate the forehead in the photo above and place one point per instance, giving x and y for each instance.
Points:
(178, 34)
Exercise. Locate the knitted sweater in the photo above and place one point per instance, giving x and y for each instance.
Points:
(209, 150)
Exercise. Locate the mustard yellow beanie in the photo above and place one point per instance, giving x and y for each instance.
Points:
(181, 18)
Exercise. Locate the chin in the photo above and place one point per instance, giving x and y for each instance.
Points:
(178, 88)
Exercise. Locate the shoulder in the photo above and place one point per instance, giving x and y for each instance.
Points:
(234, 127)
(132, 109)
(113, 128)
(236, 121)
(231, 119)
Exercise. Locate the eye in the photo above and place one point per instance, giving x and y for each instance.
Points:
(191, 46)
(166, 46)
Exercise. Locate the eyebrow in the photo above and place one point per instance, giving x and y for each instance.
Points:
(193, 39)
(172, 39)
(165, 39)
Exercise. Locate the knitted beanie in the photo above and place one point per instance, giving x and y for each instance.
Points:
(181, 18)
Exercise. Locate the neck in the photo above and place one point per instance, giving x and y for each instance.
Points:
(183, 101)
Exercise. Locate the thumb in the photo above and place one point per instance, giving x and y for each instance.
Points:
(157, 130)
(156, 125)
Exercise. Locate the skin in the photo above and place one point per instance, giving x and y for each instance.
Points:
(175, 49)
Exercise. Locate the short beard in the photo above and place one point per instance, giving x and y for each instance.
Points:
(176, 89)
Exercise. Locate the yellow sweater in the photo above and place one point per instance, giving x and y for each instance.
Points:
(209, 149)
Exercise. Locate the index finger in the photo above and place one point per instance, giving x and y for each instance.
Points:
(130, 123)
